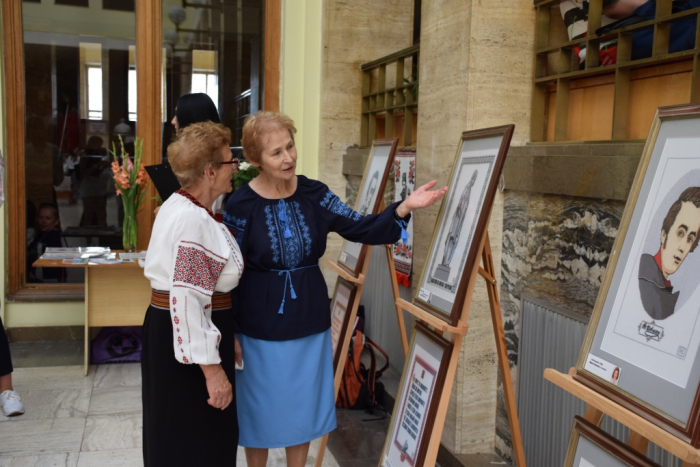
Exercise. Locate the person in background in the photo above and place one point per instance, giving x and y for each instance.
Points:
(9, 398)
(94, 164)
(188, 359)
(282, 220)
(43, 164)
(195, 108)
(48, 234)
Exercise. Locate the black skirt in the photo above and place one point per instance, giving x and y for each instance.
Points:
(179, 426)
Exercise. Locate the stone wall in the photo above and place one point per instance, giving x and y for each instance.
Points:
(354, 33)
(474, 73)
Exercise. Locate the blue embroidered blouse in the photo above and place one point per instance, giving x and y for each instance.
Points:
(282, 294)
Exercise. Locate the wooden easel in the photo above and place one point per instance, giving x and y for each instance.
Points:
(457, 336)
(641, 430)
(360, 281)
(343, 346)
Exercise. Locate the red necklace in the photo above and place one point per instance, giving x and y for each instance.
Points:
(182, 192)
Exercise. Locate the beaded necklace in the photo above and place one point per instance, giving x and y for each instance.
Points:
(182, 192)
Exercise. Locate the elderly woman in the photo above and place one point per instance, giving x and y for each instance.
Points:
(281, 221)
(193, 262)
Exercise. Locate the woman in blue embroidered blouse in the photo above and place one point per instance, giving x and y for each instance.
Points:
(281, 221)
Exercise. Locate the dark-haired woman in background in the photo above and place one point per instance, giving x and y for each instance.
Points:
(194, 108)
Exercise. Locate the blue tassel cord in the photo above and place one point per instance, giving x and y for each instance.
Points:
(288, 278)
(284, 220)
(404, 233)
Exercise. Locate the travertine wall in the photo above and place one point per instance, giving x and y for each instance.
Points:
(475, 72)
(354, 33)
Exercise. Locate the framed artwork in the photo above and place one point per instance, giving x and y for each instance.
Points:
(341, 306)
(369, 197)
(462, 221)
(591, 447)
(641, 347)
(419, 396)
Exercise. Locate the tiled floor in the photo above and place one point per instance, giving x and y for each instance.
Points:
(73, 420)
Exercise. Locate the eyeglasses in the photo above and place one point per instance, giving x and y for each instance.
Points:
(232, 161)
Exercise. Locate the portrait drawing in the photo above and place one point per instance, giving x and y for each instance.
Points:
(678, 238)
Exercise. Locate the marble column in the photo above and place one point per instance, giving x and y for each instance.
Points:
(355, 32)
(475, 72)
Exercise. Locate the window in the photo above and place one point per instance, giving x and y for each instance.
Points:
(132, 94)
(94, 92)
(60, 95)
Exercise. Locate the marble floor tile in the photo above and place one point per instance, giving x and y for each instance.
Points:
(118, 374)
(57, 403)
(118, 458)
(64, 459)
(35, 437)
(59, 377)
(115, 400)
(112, 432)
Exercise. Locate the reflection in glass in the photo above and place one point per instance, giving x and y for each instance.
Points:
(79, 93)
(214, 47)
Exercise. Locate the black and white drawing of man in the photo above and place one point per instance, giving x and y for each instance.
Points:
(373, 183)
(679, 236)
(452, 240)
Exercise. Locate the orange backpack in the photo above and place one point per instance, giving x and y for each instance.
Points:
(359, 388)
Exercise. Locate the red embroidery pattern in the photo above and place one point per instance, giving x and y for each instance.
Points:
(182, 192)
(177, 320)
(195, 267)
(207, 306)
(174, 300)
(179, 340)
(184, 359)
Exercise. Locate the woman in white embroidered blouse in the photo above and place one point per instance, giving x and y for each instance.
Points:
(189, 349)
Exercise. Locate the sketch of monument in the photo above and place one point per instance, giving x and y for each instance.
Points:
(442, 271)
(369, 197)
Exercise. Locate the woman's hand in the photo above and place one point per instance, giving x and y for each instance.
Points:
(218, 386)
(421, 198)
(238, 351)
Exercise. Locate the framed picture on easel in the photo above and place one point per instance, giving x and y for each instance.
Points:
(419, 396)
(462, 221)
(641, 347)
(589, 446)
(369, 197)
(341, 305)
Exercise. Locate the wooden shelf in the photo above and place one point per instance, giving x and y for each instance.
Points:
(643, 427)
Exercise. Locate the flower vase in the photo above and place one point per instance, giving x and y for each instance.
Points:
(130, 231)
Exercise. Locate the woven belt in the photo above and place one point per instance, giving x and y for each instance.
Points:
(161, 300)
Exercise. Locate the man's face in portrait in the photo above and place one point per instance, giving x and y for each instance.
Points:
(676, 244)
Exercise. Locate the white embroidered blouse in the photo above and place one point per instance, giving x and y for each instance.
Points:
(191, 255)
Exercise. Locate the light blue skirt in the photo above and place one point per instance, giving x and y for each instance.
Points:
(285, 391)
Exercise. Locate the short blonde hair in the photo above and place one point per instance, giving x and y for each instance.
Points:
(257, 126)
(197, 147)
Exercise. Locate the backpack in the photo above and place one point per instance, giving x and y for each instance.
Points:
(359, 388)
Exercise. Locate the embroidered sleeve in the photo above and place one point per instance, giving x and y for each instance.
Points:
(236, 226)
(372, 229)
(196, 271)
